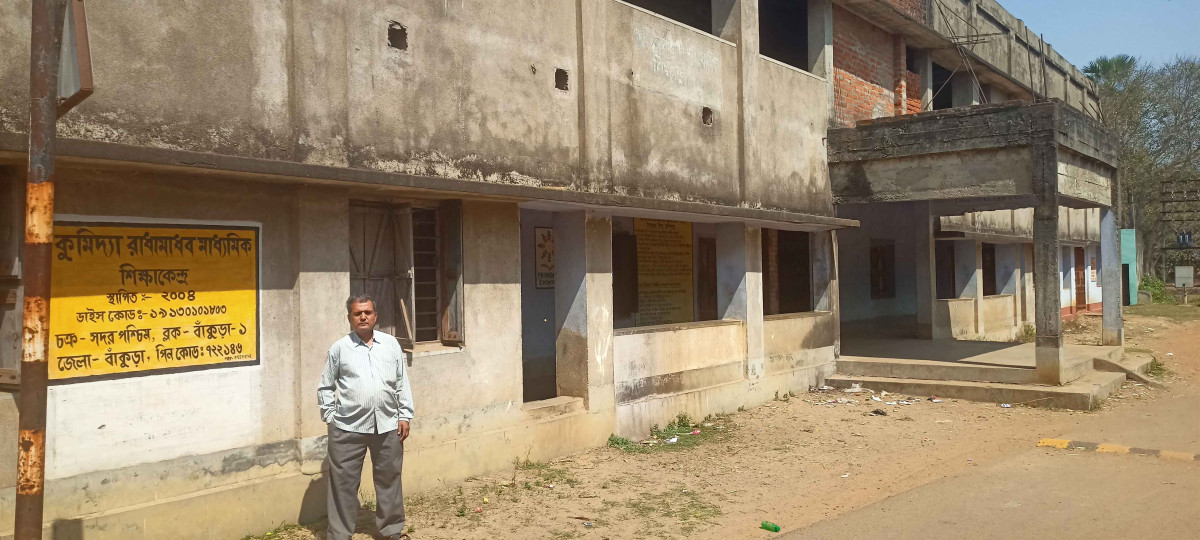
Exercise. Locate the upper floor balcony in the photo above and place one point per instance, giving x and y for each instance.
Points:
(598, 102)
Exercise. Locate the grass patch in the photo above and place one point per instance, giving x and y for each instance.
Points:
(1157, 369)
(687, 508)
(545, 474)
(681, 429)
(1174, 312)
(1028, 334)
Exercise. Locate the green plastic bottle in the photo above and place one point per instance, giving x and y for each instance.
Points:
(770, 526)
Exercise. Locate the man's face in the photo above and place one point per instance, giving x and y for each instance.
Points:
(363, 316)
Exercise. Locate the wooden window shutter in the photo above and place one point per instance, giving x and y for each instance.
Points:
(402, 276)
(451, 283)
(381, 264)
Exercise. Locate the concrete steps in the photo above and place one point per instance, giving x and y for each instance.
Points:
(1083, 394)
(933, 370)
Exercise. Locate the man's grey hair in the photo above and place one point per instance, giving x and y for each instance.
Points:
(358, 299)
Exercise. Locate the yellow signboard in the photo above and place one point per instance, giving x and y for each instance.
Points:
(129, 298)
(664, 257)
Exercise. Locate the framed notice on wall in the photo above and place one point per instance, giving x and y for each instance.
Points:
(134, 299)
(543, 242)
(664, 272)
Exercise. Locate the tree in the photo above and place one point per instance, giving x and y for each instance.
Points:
(1155, 113)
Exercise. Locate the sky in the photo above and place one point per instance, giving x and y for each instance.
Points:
(1082, 30)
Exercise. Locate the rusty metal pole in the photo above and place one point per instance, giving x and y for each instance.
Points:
(45, 48)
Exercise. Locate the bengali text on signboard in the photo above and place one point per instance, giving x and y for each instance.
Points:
(664, 258)
(130, 298)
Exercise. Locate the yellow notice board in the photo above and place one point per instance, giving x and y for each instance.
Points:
(664, 257)
(133, 298)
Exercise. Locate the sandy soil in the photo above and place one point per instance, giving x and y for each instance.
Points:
(792, 462)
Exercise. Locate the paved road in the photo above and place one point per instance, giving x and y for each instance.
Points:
(1046, 492)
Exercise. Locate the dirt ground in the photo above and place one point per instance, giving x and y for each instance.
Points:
(793, 461)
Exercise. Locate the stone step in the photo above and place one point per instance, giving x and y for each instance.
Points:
(1133, 366)
(933, 370)
(1083, 394)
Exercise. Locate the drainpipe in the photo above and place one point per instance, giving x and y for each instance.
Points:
(45, 46)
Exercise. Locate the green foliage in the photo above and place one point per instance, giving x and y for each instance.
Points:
(1156, 368)
(681, 428)
(1157, 289)
(1154, 112)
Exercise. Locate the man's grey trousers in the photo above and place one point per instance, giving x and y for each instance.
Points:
(346, 452)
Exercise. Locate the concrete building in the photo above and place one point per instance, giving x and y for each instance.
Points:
(581, 221)
(970, 153)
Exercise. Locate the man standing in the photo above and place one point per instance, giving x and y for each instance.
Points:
(365, 398)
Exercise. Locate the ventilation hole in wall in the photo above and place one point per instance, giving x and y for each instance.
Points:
(706, 116)
(560, 79)
(397, 36)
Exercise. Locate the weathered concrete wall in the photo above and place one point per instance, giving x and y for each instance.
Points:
(663, 75)
(998, 322)
(117, 423)
(979, 151)
(793, 171)
(1015, 51)
(892, 223)
(1084, 178)
(470, 95)
(800, 350)
(660, 371)
(798, 340)
(954, 318)
(980, 173)
(1076, 225)
(247, 442)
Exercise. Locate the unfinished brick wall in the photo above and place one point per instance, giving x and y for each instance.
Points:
(914, 92)
(864, 68)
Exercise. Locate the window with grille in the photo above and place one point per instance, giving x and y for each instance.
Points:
(409, 258)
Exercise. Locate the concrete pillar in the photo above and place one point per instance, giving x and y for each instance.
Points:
(748, 49)
(1113, 329)
(820, 44)
(968, 265)
(963, 91)
(583, 308)
(595, 145)
(1047, 265)
(926, 267)
(924, 63)
(739, 288)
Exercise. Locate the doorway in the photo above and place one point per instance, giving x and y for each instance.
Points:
(539, 334)
(1125, 300)
(1080, 280)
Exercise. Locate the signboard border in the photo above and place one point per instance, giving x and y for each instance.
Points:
(106, 221)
